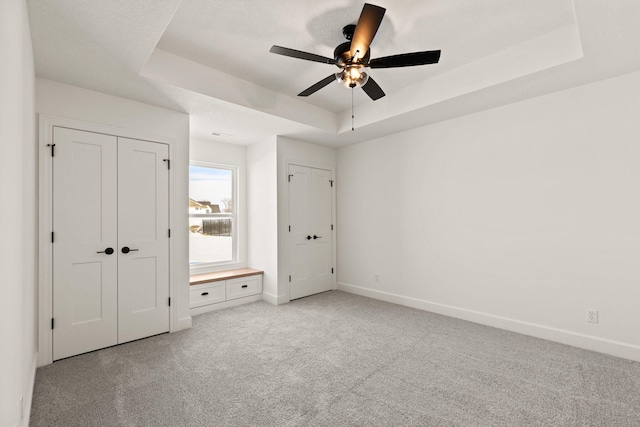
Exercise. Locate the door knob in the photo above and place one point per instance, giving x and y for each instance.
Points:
(126, 250)
(316, 237)
(107, 251)
(308, 237)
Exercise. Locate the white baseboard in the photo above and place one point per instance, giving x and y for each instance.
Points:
(225, 304)
(274, 299)
(29, 397)
(184, 323)
(588, 342)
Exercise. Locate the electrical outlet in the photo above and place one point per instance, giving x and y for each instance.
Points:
(592, 315)
(376, 277)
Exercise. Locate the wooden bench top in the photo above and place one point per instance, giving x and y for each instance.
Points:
(198, 279)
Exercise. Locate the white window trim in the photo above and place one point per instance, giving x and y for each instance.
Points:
(214, 266)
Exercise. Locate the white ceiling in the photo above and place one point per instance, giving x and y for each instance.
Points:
(210, 58)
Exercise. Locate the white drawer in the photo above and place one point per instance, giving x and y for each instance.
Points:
(244, 286)
(206, 293)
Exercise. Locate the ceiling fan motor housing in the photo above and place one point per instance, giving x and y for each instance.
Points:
(342, 55)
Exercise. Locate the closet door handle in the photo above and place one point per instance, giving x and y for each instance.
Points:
(308, 237)
(316, 237)
(126, 250)
(107, 251)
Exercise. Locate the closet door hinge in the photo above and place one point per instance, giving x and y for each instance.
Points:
(52, 323)
(332, 271)
(168, 163)
(331, 181)
(289, 179)
(332, 227)
(52, 237)
(169, 301)
(289, 278)
(169, 233)
(289, 229)
(52, 148)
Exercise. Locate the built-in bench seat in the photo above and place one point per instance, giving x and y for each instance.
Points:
(198, 279)
(222, 289)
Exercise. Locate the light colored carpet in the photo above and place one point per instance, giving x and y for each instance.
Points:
(337, 359)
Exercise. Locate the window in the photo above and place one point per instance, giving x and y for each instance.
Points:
(212, 216)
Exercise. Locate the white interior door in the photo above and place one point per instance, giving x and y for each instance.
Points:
(322, 254)
(311, 238)
(109, 193)
(143, 227)
(85, 200)
(300, 250)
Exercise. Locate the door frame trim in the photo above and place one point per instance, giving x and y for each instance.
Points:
(285, 196)
(46, 123)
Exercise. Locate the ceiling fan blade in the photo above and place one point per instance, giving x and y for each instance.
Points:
(372, 89)
(366, 28)
(406, 59)
(301, 55)
(316, 87)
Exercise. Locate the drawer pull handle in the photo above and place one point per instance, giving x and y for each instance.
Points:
(205, 294)
(245, 286)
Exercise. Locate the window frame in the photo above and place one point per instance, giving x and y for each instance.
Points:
(206, 267)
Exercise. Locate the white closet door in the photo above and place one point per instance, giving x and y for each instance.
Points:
(85, 288)
(143, 226)
(300, 246)
(310, 241)
(322, 259)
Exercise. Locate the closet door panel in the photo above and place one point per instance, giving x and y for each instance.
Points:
(143, 226)
(85, 225)
(321, 216)
(300, 246)
(310, 240)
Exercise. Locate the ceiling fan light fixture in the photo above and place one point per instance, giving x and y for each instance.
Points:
(353, 76)
(354, 56)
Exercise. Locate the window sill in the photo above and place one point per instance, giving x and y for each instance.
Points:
(213, 268)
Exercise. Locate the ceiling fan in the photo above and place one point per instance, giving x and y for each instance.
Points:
(353, 56)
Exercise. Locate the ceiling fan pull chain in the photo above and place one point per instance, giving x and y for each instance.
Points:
(352, 116)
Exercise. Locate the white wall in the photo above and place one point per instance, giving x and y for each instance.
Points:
(520, 217)
(66, 101)
(202, 150)
(262, 215)
(18, 208)
(292, 151)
